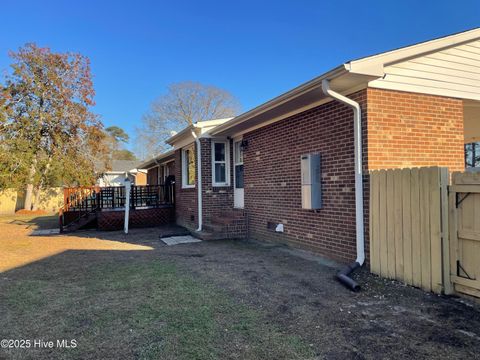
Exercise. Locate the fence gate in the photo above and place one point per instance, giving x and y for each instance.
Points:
(409, 226)
(464, 199)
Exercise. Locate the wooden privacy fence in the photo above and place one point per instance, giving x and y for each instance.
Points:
(11, 200)
(465, 232)
(408, 221)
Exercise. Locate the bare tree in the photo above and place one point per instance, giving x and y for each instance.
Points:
(184, 104)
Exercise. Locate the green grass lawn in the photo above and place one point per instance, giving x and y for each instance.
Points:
(137, 309)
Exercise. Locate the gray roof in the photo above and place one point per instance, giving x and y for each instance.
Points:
(157, 160)
(124, 165)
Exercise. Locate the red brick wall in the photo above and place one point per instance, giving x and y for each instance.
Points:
(403, 130)
(272, 180)
(414, 130)
(216, 200)
(185, 199)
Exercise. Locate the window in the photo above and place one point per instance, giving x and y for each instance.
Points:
(220, 163)
(238, 159)
(472, 155)
(188, 166)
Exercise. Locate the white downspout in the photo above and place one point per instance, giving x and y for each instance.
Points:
(199, 181)
(357, 117)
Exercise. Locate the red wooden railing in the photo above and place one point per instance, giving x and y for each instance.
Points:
(79, 202)
(74, 197)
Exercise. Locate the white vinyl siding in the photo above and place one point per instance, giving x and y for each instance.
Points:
(453, 72)
(220, 163)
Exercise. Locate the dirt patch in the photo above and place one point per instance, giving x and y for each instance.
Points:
(294, 294)
(384, 320)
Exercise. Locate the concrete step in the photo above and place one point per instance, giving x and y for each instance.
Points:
(228, 218)
(207, 235)
(222, 220)
(215, 227)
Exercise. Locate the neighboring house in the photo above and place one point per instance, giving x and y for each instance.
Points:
(419, 106)
(159, 168)
(121, 169)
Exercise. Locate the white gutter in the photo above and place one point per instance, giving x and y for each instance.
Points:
(357, 118)
(199, 180)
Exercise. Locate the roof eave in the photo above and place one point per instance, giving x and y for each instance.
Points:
(153, 161)
(374, 65)
(364, 70)
(180, 135)
(299, 90)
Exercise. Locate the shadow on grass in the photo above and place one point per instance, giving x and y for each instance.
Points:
(133, 305)
(32, 222)
(135, 235)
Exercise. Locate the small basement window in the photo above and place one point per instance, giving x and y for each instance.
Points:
(188, 167)
(220, 163)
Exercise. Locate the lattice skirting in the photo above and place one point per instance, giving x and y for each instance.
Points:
(114, 220)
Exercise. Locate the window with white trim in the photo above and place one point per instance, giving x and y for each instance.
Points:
(188, 166)
(220, 163)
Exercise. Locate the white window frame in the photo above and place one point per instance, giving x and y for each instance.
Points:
(235, 163)
(227, 163)
(185, 184)
(238, 193)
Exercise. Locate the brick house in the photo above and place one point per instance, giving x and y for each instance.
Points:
(410, 107)
(159, 168)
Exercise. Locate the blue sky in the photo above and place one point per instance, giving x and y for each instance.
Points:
(254, 49)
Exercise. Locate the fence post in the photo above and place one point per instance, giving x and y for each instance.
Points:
(127, 204)
(97, 198)
(133, 195)
(447, 282)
